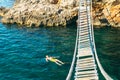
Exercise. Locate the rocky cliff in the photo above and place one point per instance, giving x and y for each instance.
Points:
(42, 12)
(107, 13)
(59, 12)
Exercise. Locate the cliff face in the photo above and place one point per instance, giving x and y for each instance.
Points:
(107, 13)
(112, 13)
(42, 12)
(60, 12)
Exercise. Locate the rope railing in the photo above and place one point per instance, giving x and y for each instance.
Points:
(106, 76)
(73, 60)
(75, 51)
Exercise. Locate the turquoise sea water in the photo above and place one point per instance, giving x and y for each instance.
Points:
(22, 51)
(108, 49)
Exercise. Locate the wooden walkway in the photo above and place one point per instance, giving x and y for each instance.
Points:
(85, 64)
(85, 60)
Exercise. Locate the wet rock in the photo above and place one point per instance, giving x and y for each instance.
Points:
(3, 10)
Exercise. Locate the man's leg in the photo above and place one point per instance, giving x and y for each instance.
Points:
(60, 61)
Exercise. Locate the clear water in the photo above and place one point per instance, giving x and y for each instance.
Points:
(108, 49)
(22, 51)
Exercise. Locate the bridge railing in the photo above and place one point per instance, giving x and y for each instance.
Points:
(73, 60)
(106, 76)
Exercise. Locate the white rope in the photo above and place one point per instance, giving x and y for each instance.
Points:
(73, 60)
(75, 52)
(106, 76)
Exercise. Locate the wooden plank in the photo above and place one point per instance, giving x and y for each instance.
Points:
(81, 37)
(84, 38)
(82, 31)
(83, 15)
(85, 69)
(84, 44)
(85, 72)
(81, 34)
(83, 65)
(87, 78)
(83, 11)
(77, 68)
(83, 25)
(85, 62)
(84, 76)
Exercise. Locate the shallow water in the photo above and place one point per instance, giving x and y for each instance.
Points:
(23, 49)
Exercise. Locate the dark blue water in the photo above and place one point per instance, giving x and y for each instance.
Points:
(22, 51)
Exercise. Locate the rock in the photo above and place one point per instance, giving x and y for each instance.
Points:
(3, 10)
(107, 13)
(53, 1)
(41, 12)
(59, 13)
(112, 14)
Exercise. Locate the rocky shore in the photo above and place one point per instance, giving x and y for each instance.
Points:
(107, 12)
(3, 11)
(59, 13)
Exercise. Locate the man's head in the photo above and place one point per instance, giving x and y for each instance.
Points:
(47, 56)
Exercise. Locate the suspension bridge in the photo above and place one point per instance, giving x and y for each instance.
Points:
(85, 61)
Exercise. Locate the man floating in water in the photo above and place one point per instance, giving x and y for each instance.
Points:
(58, 62)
